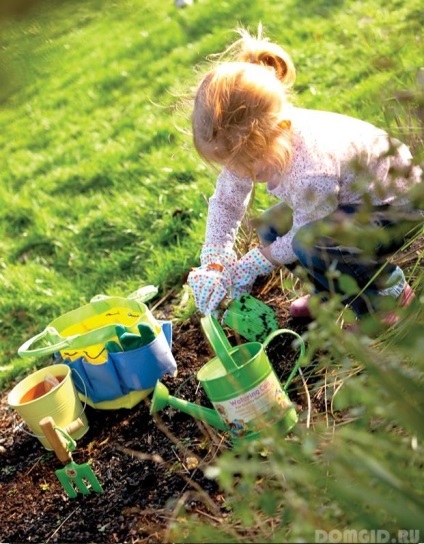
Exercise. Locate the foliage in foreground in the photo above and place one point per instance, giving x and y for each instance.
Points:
(350, 473)
(100, 194)
(346, 472)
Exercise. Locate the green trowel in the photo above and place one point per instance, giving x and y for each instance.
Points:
(250, 318)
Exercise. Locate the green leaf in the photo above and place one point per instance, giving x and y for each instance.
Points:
(348, 285)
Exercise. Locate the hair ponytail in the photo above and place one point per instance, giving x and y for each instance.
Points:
(259, 50)
(240, 105)
(284, 69)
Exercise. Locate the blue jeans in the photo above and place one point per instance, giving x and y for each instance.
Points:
(363, 260)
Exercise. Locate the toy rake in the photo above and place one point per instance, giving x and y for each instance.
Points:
(73, 477)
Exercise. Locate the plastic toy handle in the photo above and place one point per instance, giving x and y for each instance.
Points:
(302, 351)
(99, 298)
(143, 294)
(52, 335)
(218, 341)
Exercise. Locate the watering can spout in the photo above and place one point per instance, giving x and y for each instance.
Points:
(161, 398)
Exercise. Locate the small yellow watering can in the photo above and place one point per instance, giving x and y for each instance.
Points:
(241, 384)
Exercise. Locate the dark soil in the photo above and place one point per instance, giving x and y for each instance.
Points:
(148, 467)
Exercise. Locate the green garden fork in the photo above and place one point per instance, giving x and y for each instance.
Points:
(73, 477)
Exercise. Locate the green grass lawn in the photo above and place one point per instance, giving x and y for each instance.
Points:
(101, 190)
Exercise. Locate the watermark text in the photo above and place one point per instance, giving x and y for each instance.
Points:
(365, 536)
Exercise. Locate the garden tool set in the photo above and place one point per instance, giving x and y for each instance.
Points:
(114, 346)
(112, 353)
(109, 354)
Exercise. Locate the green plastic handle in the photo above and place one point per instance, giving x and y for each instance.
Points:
(70, 442)
(52, 336)
(219, 342)
(302, 351)
(143, 294)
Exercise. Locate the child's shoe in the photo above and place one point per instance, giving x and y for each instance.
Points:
(404, 300)
(300, 307)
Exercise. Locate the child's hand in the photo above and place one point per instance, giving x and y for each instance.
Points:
(249, 267)
(212, 281)
(210, 284)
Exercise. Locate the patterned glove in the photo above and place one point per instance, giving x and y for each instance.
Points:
(212, 281)
(249, 267)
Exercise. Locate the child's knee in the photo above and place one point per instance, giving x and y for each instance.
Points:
(309, 247)
(273, 223)
(302, 244)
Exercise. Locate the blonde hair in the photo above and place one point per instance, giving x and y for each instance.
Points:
(239, 103)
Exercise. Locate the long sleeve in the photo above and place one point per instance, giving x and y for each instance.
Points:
(226, 209)
(336, 160)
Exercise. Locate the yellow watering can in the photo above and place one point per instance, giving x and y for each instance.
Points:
(241, 384)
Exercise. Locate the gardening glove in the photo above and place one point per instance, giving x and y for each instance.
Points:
(113, 347)
(128, 340)
(249, 267)
(212, 280)
(147, 334)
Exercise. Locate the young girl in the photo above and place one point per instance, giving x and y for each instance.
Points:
(337, 176)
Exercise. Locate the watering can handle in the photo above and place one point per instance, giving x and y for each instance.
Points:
(302, 351)
(52, 335)
(219, 342)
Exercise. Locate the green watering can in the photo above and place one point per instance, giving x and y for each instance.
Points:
(241, 384)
